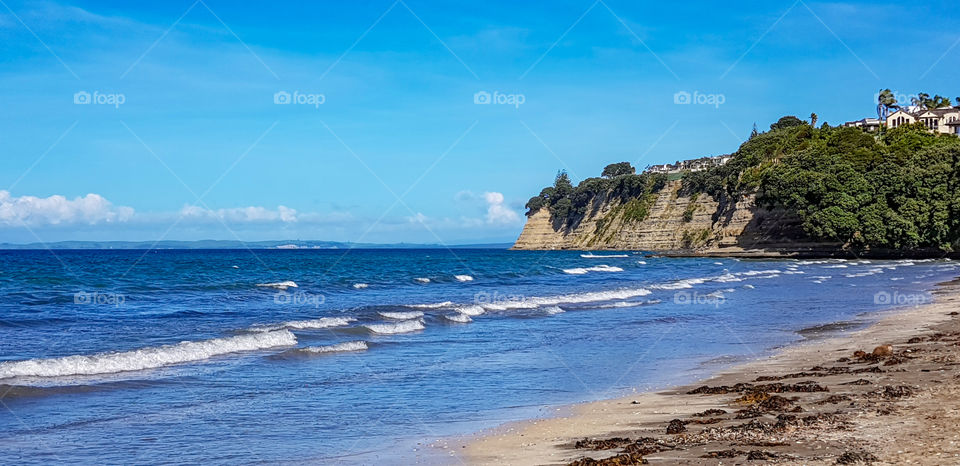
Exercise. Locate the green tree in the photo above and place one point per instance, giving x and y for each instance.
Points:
(786, 122)
(617, 169)
(755, 133)
(939, 101)
(813, 119)
(888, 100)
(561, 185)
(534, 205)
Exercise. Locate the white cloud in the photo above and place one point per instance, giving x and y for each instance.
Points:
(496, 211)
(55, 210)
(252, 214)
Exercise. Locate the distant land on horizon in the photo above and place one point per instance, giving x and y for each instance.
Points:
(232, 244)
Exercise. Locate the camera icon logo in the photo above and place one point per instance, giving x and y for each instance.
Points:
(682, 98)
(81, 298)
(282, 297)
(681, 297)
(281, 98)
(81, 98)
(482, 98)
(882, 298)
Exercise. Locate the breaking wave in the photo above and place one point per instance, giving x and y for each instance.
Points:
(337, 348)
(323, 322)
(279, 285)
(599, 268)
(600, 256)
(463, 278)
(405, 326)
(145, 358)
(402, 315)
(458, 318)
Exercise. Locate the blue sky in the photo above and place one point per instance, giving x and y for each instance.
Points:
(185, 140)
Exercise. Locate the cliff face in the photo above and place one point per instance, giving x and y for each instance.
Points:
(676, 224)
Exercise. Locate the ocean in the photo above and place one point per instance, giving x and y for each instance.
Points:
(366, 356)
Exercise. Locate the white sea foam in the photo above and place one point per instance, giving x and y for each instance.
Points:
(337, 348)
(458, 318)
(754, 273)
(422, 280)
(642, 262)
(431, 306)
(471, 310)
(360, 286)
(323, 322)
(145, 358)
(749, 287)
(727, 277)
(837, 266)
(553, 310)
(680, 284)
(279, 285)
(463, 278)
(405, 326)
(402, 315)
(600, 256)
(599, 268)
(588, 297)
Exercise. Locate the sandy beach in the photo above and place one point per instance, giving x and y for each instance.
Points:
(887, 394)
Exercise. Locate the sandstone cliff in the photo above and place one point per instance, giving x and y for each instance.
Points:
(675, 224)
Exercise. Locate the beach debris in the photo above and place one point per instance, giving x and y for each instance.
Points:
(808, 386)
(856, 457)
(710, 412)
(731, 453)
(833, 399)
(648, 445)
(858, 382)
(602, 444)
(622, 459)
(891, 392)
(883, 351)
(713, 420)
(760, 455)
(676, 426)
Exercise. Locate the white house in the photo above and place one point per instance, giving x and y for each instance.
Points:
(938, 120)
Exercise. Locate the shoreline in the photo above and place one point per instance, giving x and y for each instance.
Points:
(816, 415)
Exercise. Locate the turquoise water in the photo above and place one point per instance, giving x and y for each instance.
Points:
(200, 356)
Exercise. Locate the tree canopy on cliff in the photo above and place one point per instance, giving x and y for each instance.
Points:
(896, 191)
(568, 204)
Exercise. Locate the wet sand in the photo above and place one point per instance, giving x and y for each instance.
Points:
(820, 402)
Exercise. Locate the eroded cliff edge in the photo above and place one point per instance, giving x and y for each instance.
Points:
(677, 224)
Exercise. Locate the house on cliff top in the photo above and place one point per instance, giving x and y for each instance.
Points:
(937, 120)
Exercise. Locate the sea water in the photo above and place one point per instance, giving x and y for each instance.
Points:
(367, 355)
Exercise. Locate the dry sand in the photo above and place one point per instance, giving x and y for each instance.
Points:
(831, 408)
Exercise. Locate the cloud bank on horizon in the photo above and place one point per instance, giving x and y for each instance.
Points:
(379, 121)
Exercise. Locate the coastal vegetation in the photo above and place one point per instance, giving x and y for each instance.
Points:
(619, 182)
(898, 189)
